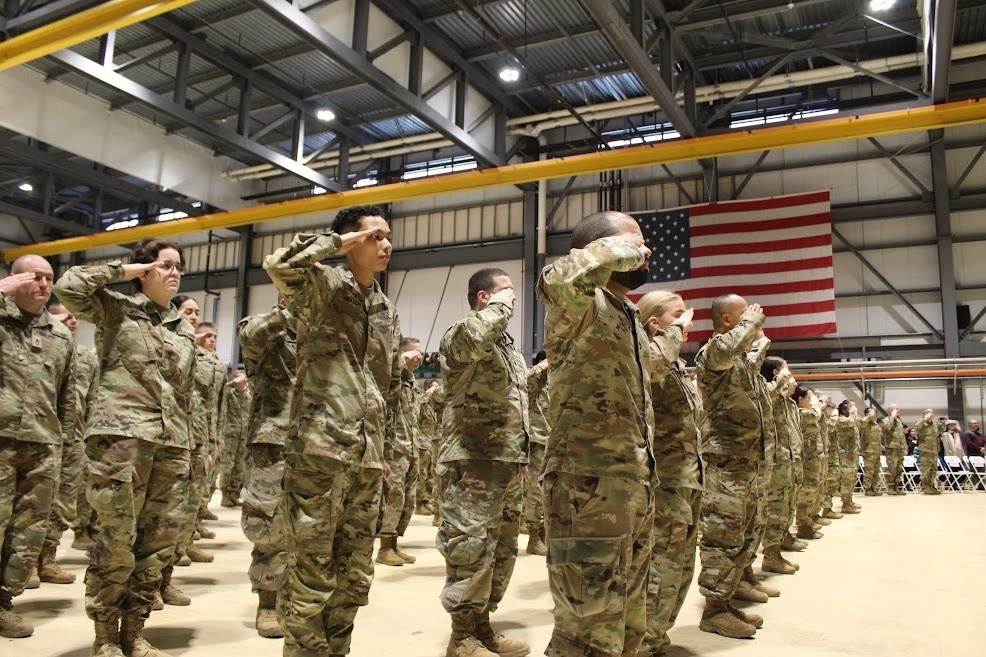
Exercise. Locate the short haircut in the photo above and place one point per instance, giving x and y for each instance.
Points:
(406, 342)
(799, 392)
(147, 251)
(593, 227)
(539, 356)
(482, 281)
(771, 363)
(844, 407)
(18, 265)
(56, 303)
(180, 299)
(720, 306)
(203, 326)
(347, 221)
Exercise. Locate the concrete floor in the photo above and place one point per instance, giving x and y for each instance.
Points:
(905, 577)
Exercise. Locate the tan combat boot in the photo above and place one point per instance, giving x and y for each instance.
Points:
(204, 531)
(33, 581)
(750, 578)
(719, 619)
(51, 572)
(132, 638)
(387, 555)
(791, 544)
(535, 540)
(849, 507)
(107, 642)
(747, 593)
(463, 642)
(821, 520)
(831, 514)
(756, 620)
(158, 604)
(82, 541)
(171, 594)
(12, 626)
(774, 563)
(267, 625)
(198, 555)
(206, 514)
(496, 642)
(227, 501)
(407, 558)
(809, 532)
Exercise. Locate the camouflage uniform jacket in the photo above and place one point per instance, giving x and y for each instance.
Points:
(755, 357)
(812, 427)
(787, 426)
(429, 412)
(270, 347)
(84, 369)
(537, 395)
(205, 399)
(348, 361)
(236, 412)
(871, 434)
(600, 409)
(146, 359)
(37, 398)
(846, 429)
(928, 433)
(485, 382)
(405, 424)
(893, 431)
(734, 422)
(677, 412)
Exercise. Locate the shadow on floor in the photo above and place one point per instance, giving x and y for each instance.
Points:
(38, 609)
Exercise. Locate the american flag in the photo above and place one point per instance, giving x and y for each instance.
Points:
(775, 251)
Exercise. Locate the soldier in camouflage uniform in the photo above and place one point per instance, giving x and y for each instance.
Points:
(435, 400)
(137, 436)
(336, 449)
(537, 396)
(678, 500)
(734, 434)
(928, 446)
(485, 442)
(893, 431)
(37, 414)
(425, 438)
(871, 446)
(205, 337)
(847, 435)
(813, 458)
(833, 479)
(398, 491)
(269, 343)
(598, 476)
(236, 415)
(63, 512)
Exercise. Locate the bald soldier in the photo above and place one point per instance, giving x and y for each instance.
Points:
(598, 476)
(36, 410)
(734, 446)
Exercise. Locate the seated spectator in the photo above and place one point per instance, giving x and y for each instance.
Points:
(911, 438)
(951, 440)
(973, 441)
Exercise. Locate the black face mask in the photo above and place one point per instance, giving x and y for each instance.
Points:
(631, 280)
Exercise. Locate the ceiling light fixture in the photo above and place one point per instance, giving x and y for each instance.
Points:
(325, 115)
(509, 74)
(26, 187)
(882, 5)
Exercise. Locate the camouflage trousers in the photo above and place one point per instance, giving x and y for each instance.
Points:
(426, 475)
(329, 509)
(480, 506)
(779, 503)
(895, 468)
(397, 505)
(598, 532)
(808, 499)
(29, 472)
(871, 472)
(212, 471)
(233, 464)
(138, 490)
(260, 519)
(929, 466)
(533, 502)
(672, 562)
(189, 507)
(731, 507)
(436, 482)
(849, 466)
(64, 508)
(833, 477)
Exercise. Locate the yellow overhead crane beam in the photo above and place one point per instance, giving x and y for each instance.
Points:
(737, 142)
(81, 27)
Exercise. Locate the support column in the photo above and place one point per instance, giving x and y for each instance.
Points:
(242, 288)
(532, 328)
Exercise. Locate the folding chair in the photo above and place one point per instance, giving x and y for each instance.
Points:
(945, 474)
(956, 474)
(977, 471)
(885, 482)
(858, 488)
(911, 473)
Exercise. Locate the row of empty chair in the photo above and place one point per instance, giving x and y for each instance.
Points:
(966, 474)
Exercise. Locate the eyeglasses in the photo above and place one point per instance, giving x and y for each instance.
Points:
(168, 266)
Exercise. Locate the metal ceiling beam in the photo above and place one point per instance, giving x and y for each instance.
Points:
(709, 17)
(47, 13)
(306, 28)
(44, 219)
(117, 82)
(614, 26)
(938, 60)
(735, 142)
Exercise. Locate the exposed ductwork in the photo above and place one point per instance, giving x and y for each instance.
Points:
(536, 124)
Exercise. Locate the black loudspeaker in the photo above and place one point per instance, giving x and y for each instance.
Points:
(964, 315)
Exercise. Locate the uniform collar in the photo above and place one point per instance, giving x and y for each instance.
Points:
(39, 321)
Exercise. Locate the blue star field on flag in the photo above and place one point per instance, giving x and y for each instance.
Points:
(668, 237)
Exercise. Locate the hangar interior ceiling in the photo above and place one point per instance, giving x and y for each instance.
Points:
(418, 87)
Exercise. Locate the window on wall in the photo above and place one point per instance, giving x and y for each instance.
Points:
(439, 167)
(762, 118)
(646, 134)
(129, 222)
(167, 214)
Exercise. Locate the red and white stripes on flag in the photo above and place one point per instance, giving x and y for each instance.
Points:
(775, 251)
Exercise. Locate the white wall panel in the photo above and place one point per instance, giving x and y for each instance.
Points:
(971, 223)
(970, 263)
(960, 158)
(879, 232)
(886, 315)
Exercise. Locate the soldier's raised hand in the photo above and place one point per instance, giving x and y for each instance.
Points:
(135, 270)
(505, 296)
(752, 310)
(351, 240)
(10, 284)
